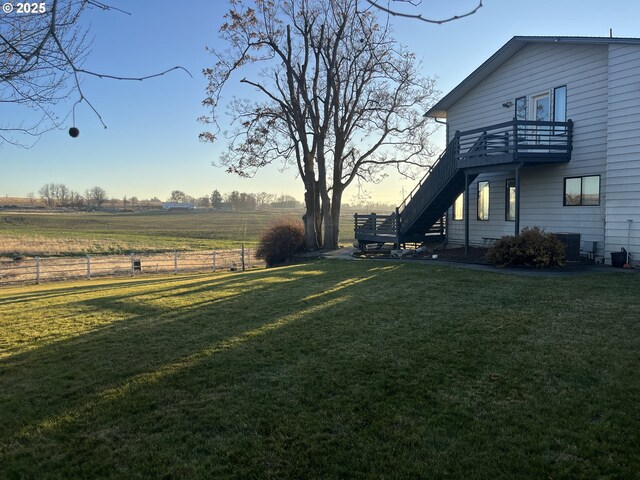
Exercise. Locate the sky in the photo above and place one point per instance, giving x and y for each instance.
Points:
(151, 145)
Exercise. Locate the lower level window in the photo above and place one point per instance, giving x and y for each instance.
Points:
(483, 200)
(583, 191)
(510, 200)
(458, 208)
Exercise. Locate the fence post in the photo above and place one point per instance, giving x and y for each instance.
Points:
(214, 261)
(88, 267)
(242, 256)
(37, 269)
(175, 262)
(249, 258)
(132, 264)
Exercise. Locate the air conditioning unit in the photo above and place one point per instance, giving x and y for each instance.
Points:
(571, 243)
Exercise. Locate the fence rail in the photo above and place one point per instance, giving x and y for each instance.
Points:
(44, 269)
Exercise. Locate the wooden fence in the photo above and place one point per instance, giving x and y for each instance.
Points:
(44, 269)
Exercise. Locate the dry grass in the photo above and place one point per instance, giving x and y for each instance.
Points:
(44, 245)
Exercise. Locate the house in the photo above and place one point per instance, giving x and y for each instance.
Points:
(544, 133)
(178, 206)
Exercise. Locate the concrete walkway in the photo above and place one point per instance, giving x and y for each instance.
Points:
(569, 270)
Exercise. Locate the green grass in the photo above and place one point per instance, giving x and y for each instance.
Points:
(325, 370)
(81, 233)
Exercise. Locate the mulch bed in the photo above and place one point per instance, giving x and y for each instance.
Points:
(475, 255)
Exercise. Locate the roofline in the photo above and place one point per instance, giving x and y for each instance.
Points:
(439, 110)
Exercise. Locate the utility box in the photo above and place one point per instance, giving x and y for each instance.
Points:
(571, 242)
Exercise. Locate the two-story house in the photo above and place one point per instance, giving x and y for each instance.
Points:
(544, 133)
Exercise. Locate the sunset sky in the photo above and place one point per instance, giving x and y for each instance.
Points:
(151, 144)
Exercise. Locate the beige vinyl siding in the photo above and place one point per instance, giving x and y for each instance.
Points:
(623, 149)
(538, 68)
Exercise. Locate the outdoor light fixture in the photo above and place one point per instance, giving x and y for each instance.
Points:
(507, 104)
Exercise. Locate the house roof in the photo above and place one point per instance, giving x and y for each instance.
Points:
(439, 110)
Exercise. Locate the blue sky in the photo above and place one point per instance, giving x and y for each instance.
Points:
(151, 144)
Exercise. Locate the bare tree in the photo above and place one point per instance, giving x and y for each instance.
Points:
(342, 100)
(178, 196)
(48, 194)
(263, 198)
(415, 4)
(96, 196)
(41, 58)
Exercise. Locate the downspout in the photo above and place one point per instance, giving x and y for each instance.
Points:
(629, 221)
(446, 126)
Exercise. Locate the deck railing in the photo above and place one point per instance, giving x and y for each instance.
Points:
(376, 224)
(512, 139)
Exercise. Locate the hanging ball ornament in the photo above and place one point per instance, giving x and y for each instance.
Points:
(74, 132)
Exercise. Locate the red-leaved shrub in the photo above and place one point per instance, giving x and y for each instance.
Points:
(281, 241)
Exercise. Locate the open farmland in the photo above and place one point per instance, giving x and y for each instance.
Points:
(80, 233)
(326, 370)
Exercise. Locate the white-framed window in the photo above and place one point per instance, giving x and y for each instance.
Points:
(483, 200)
(510, 200)
(458, 207)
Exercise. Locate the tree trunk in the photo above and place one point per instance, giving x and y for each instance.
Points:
(331, 214)
(310, 218)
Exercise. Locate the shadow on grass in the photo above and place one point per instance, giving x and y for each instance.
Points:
(357, 371)
(159, 331)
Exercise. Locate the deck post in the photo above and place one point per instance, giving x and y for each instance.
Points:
(466, 213)
(517, 216)
(398, 227)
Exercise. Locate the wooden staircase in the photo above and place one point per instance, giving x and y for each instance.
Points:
(518, 142)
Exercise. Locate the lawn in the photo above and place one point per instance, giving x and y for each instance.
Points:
(332, 369)
(81, 233)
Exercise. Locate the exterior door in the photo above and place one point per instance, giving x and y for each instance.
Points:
(541, 108)
(540, 112)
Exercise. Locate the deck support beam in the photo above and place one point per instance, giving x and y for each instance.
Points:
(466, 213)
(517, 212)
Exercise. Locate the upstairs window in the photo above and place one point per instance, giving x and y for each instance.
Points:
(560, 104)
(582, 191)
(521, 108)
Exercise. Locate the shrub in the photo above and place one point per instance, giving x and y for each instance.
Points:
(281, 241)
(532, 247)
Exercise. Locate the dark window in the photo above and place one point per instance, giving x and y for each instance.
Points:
(483, 200)
(583, 191)
(510, 200)
(458, 208)
(521, 108)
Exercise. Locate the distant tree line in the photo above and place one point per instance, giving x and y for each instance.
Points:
(237, 201)
(59, 195)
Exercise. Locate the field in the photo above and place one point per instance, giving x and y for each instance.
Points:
(81, 233)
(331, 369)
